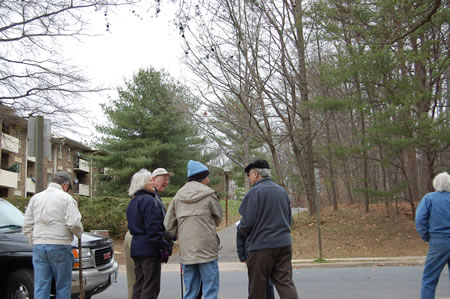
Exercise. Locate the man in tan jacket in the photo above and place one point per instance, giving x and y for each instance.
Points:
(193, 215)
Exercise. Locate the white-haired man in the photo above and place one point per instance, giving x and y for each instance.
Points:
(161, 178)
(433, 226)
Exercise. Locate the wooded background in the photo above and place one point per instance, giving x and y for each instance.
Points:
(356, 89)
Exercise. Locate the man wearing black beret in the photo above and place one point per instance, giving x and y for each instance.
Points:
(265, 223)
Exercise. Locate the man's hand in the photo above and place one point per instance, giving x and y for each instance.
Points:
(169, 236)
(164, 256)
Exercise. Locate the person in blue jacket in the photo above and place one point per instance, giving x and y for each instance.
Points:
(265, 224)
(145, 215)
(433, 226)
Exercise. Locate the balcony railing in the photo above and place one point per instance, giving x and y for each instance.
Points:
(8, 179)
(81, 189)
(10, 143)
(82, 165)
(31, 185)
(84, 189)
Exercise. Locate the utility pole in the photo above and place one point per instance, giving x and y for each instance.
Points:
(39, 153)
(38, 135)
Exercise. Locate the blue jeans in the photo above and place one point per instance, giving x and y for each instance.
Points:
(207, 274)
(52, 261)
(438, 255)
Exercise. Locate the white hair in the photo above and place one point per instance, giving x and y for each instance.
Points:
(139, 180)
(264, 172)
(441, 182)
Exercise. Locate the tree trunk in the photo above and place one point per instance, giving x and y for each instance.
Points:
(365, 164)
(306, 118)
(347, 179)
(413, 177)
(309, 188)
(331, 166)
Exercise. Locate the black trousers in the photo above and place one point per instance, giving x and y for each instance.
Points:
(148, 277)
(273, 263)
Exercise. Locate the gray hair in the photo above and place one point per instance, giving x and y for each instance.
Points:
(139, 180)
(61, 178)
(441, 182)
(264, 172)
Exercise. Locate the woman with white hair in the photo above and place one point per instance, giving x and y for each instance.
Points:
(145, 215)
(433, 225)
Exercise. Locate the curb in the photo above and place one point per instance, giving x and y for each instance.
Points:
(309, 263)
(360, 262)
(356, 264)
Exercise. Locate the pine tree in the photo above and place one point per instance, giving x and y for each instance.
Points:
(149, 127)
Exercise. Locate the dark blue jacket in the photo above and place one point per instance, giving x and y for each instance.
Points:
(145, 215)
(433, 215)
(266, 216)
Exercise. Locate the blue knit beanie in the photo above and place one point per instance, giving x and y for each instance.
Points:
(194, 167)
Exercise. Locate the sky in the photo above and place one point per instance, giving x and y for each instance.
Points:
(132, 42)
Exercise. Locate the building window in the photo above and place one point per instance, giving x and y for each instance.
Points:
(5, 161)
(20, 139)
(19, 170)
(60, 151)
(5, 128)
(69, 155)
(15, 167)
(52, 150)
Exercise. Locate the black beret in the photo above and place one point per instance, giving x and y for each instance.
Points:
(257, 164)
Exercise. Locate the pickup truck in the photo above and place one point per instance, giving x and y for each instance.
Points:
(16, 275)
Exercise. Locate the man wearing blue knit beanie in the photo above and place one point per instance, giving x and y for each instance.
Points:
(193, 215)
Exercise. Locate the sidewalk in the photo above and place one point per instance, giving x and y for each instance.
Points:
(309, 263)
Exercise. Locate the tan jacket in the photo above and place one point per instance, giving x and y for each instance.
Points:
(52, 217)
(193, 215)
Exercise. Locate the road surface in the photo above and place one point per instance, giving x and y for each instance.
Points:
(325, 283)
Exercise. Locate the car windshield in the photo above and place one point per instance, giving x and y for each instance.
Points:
(10, 216)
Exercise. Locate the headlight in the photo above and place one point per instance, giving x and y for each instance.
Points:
(86, 254)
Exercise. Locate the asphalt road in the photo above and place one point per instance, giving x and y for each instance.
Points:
(325, 283)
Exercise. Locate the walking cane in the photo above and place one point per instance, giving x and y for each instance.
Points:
(181, 275)
(181, 279)
(80, 269)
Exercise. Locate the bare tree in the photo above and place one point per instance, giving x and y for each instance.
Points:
(35, 78)
(221, 40)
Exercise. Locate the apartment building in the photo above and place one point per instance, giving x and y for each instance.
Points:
(18, 170)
